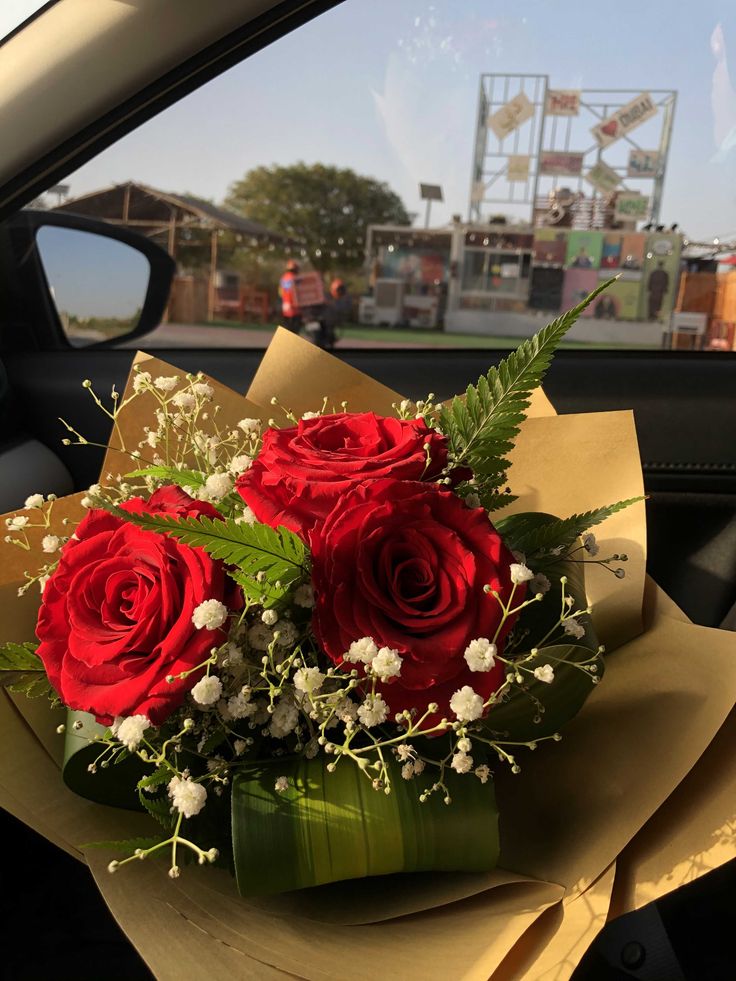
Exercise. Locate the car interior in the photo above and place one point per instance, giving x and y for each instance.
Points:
(75, 79)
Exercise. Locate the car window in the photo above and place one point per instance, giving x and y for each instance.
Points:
(447, 175)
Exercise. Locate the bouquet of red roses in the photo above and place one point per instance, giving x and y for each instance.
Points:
(303, 644)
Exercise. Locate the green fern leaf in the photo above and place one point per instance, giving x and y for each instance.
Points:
(20, 657)
(481, 428)
(182, 478)
(276, 552)
(537, 532)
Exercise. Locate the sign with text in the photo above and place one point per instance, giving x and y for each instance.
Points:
(511, 116)
(603, 178)
(518, 168)
(643, 163)
(563, 102)
(631, 207)
(560, 164)
(625, 119)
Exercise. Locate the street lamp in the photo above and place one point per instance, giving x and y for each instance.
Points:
(430, 193)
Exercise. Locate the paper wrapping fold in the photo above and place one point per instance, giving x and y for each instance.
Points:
(568, 819)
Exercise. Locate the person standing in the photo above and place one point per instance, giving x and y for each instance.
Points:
(657, 287)
(290, 311)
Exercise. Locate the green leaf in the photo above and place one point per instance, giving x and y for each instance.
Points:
(276, 552)
(30, 685)
(20, 657)
(327, 827)
(159, 808)
(155, 779)
(532, 532)
(182, 478)
(481, 428)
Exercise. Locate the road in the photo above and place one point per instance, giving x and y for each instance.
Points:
(196, 336)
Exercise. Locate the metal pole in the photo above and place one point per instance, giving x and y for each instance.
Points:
(426, 216)
(213, 273)
(664, 149)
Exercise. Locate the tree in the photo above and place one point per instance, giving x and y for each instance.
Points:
(325, 210)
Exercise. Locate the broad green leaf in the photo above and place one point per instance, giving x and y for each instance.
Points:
(332, 826)
(182, 478)
(481, 428)
(552, 705)
(532, 532)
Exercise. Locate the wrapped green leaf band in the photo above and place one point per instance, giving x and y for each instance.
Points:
(326, 827)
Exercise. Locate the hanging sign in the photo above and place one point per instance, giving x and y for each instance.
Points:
(643, 163)
(511, 116)
(518, 168)
(603, 178)
(625, 119)
(631, 206)
(560, 164)
(563, 102)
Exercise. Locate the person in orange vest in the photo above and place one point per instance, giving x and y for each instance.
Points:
(290, 312)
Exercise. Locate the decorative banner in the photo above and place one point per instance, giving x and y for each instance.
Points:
(632, 251)
(550, 246)
(643, 163)
(584, 250)
(625, 119)
(518, 168)
(563, 102)
(631, 206)
(560, 164)
(578, 284)
(603, 178)
(611, 254)
(511, 116)
(660, 278)
(619, 302)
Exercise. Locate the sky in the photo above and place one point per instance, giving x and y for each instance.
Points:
(390, 89)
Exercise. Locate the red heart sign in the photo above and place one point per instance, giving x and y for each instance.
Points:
(609, 128)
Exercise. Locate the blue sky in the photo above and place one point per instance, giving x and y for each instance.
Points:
(389, 88)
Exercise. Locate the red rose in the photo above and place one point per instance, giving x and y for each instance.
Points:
(405, 563)
(116, 616)
(302, 472)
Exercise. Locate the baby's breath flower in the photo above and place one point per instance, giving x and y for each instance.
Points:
(50, 543)
(286, 633)
(373, 711)
(482, 773)
(386, 664)
(464, 745)
(152, 440)
(166, 383)
(308, 680)
(187, 797)
(573, 629)
(217, 486)
(141, 381)
(260, 637)
(209, 615)
(419, 766)
(304, 596)
(202, 390)
(472, 500)
(539, 584)
(545, 673)
(407, 771)
(130, 731)
(480, 654)
(207, 690)
(283, 719)
(240, 746)
(269, 617)
(310, 415)
(520, 573)
(590, 545)
(184, 401)
(462, 763)
(363, 650)
(17, 522)
(466, 704)
(405, 751)
(240, 706)
(248, 517)
(281, 785)
(249, 426)
(239, 464)
(34, 501)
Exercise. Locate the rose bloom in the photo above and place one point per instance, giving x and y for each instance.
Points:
(116, 616)
(301, 472)
(405, 563)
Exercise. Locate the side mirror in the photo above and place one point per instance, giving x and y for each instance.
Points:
(91, 283)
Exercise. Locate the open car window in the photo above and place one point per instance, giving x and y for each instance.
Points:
(446, 175)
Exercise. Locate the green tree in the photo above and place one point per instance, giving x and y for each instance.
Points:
(325, 210)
